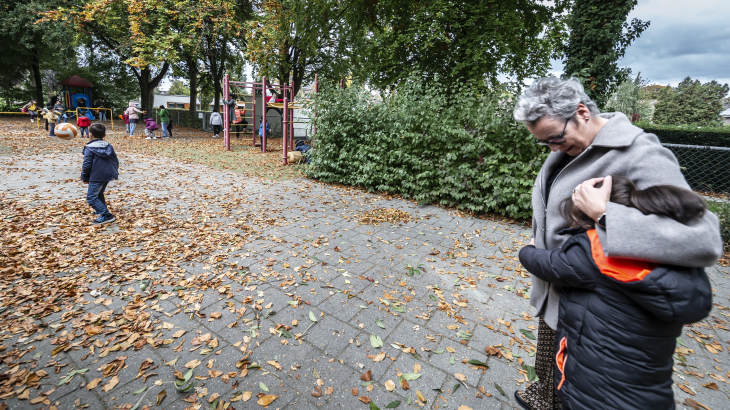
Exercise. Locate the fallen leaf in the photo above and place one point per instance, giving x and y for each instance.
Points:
(192, 364)
(354, 391)
(329, 390)
(365, 399)
(389, 385)
(711, 385)
(246, 396)
(420, 396)
(367, 376)
(686, 389)
(92, 384)
(113, 382)
(161, 396)
(266, 400)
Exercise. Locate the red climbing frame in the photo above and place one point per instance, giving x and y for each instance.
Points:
(287, 112)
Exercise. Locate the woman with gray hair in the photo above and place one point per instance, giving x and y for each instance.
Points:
(586, 146)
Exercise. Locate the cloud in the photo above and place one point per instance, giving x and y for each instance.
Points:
(684, 39)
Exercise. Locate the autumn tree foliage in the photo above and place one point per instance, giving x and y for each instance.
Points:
(149, 35)
(290, 40)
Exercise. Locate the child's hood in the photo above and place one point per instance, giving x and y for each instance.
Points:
(100, 148)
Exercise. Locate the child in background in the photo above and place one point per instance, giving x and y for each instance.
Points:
(100, 167)
(216, 120)
(619, 318)
(150, 127)
(51, 116)
(31, 109)
(125, 118)
(83, 123)
(169, 129)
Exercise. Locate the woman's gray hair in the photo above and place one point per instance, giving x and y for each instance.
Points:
(553, 97)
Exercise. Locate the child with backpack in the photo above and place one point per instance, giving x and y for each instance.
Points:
(150, 127)
(619, 318)
(83, 123)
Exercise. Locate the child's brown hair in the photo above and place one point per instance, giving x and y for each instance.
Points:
(97, 131)
(671, 201)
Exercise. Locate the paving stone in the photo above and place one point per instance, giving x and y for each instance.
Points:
(330, 335)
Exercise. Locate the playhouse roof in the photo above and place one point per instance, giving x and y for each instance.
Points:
(76, 81)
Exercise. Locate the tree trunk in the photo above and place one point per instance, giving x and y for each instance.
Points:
(192, 63)
(35, 64)
(216, 82)
(147, 85)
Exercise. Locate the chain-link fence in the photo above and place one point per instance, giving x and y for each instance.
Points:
(705, 168)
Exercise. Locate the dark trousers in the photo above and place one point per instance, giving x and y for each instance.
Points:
(216, 129)
(95, 198)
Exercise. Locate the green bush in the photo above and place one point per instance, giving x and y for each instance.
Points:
(463, 150)
(690, 135)
(722, 210)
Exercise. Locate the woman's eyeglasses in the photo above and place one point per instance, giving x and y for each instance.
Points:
(554, 140)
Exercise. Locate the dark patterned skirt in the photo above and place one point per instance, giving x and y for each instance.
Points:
(541, 395)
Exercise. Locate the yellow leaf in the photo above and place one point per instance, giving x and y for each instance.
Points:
(420, 396)
(451, 350)
(389, 385)
(246, 396)
(178, 333)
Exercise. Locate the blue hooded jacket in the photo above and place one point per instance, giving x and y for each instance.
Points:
(100, 162)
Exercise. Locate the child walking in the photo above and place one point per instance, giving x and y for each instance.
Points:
(125, 118)
(215, 121)
(150, 127)
(51, 117)
(100, 167)
(83, 123)
(619, 318)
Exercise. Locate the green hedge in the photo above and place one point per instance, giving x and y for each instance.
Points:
(714, 137)
(465, 150)
(722, 210)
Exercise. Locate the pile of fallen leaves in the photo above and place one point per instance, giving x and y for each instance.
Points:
(382, 215)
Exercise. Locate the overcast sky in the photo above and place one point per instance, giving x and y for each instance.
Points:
(685, 38)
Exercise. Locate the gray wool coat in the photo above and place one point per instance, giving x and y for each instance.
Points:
(624, 149)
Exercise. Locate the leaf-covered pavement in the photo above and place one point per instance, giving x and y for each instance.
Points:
(219, 289)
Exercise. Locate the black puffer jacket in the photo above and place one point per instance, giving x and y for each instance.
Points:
(618, 323)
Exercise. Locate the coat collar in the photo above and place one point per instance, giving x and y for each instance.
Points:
(617, 133)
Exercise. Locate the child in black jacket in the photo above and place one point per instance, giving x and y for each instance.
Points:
(619, 318)
(100, 167)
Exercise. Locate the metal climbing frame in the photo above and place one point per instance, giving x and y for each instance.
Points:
(287, 107)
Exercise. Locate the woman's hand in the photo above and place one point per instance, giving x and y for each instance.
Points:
(591, 200)
(532, 242)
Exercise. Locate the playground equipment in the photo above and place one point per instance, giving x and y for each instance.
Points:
(286, 105)
(77, 94)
